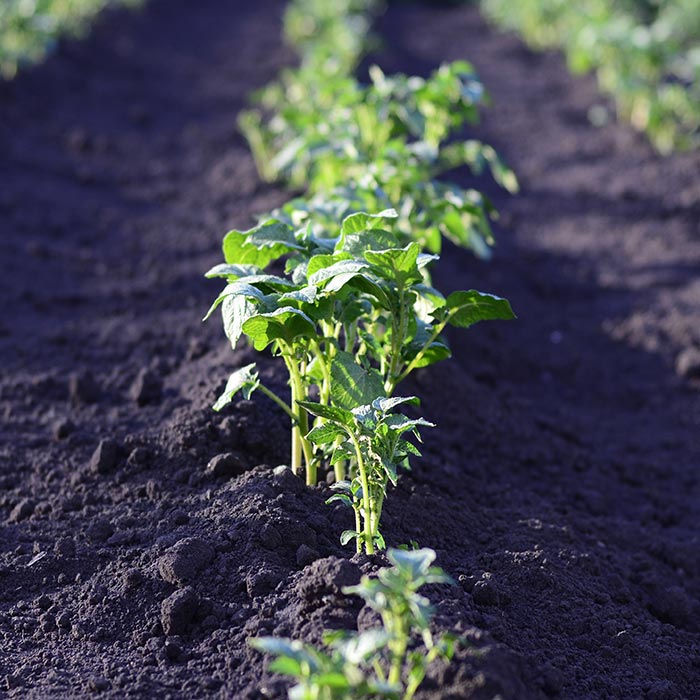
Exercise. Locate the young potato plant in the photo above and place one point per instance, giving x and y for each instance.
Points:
(331, 37)
(378, 146)
(372, 436)
(351, 317)
(383, 663)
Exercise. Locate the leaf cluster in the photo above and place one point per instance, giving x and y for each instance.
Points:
(376, 146)
(29, 30)
(387, 662)
(351, 316)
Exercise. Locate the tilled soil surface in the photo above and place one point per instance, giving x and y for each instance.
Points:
(560, 488)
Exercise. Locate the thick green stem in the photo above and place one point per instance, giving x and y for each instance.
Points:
(302, 427)
(350, 337)
(296, 449)
(340, 467)
(368, 534)
(325, 372)
(399, 330)
(398, 652)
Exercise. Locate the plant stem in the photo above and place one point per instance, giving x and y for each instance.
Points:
(339, 468)
(399, 329)
(302, 427)
(367, 517)
(419, 356)
(326, 386)
(279, 402)
(398, 652)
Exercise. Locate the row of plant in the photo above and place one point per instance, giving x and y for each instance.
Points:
(646, 53)
(337, 284)
(30, 28)
(345, 297)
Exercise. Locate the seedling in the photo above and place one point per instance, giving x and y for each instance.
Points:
(374, 437)
(387, 662)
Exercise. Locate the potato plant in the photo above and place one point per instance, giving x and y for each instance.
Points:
(379, 146)
(387, 662)
(372, 436)
(344, 297)
(30, 30)
(330, 36)
(351, 316)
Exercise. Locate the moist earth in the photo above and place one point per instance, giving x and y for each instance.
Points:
(144, 538)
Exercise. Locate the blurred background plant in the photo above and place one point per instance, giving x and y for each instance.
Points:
(29, 29)
(645, 53)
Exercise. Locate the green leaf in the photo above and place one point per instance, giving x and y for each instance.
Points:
(235, 289)
(345, 268)
(347, 536)
(342, 452)
(340, 498)
(366, 416)
(305, 295)
(332, 413)
(415, 562)
(271, 282)
(351, 384)
(467, 308)
(287, 666)
(332, 679)
(379, 542)
(358, 243)
(285, 323)
(385, 404)
(322, 261)
(396, 264)
(244, 379)
(361, 647)
(260, 245)
(361, 221)
(401, 423)
(323, 434)
(232, 272)
(235, 311)
(424, 259)
(435, 352)
(409, 448)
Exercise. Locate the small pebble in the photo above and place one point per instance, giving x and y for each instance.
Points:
(178, 610)
(147, 388)
(227, 464)
(688, 363)
(185, 561)
(23, 510)
(82, 388)
(104, 458)
(63, 428)
(306, 555)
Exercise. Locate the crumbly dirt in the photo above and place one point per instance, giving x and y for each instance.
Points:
(560, 488)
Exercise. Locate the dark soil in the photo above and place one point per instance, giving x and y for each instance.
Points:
(560, 489)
